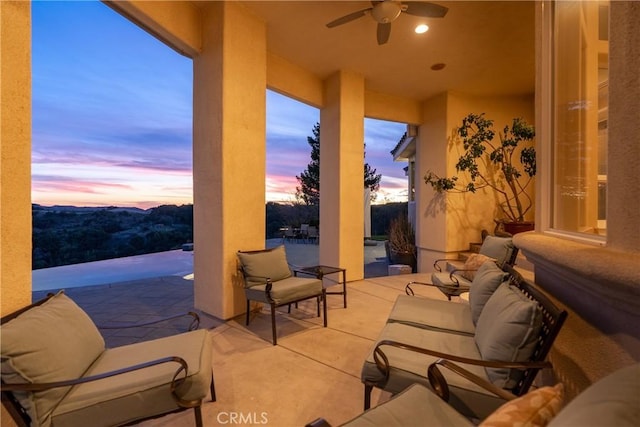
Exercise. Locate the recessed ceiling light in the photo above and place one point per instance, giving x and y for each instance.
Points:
(422, 28)
(437, 67)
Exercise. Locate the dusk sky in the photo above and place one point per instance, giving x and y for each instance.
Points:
(112, 116)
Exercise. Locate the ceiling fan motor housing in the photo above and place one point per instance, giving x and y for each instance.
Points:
(386, 11)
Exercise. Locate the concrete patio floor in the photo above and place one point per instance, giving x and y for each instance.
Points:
(312, 372)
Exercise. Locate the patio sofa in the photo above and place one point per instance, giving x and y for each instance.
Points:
(501, 336)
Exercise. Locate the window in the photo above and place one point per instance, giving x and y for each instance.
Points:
(580, 111)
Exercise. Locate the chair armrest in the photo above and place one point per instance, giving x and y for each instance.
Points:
(439, 383)
(436, 263)
(458, 271)
(195, 322)
(459, 288)
(175, 381)
(382, 362)
(269, 284)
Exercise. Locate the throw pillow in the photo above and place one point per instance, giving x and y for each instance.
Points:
(472, 264)
(260, 265)
(507, 331)
(487, 279)
(499, 248)
(535, 409)
(52, 342)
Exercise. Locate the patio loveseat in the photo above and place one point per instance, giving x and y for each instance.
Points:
(502, 337)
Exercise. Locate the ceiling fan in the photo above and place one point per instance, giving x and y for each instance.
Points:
(385, 12)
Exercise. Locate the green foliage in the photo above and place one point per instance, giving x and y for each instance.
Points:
(281, 215)
(499, 172)
(309, 190)
(382, 215)
(69, 235)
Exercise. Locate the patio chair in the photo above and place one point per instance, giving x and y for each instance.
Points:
(57, 371)
(513, 335)
(456, 280)
(303, 233)
(312, 234)
(268, 279)
(289, 234)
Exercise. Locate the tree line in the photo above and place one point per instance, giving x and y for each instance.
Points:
(72, 235)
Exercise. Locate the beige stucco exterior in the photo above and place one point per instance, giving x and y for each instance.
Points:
(448, 222)
(15, 154)
(341, 170)
(15, 160)
(232, 69)
(229, 113)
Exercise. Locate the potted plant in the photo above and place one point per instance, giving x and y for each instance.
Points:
(493, 164)
(402, 242)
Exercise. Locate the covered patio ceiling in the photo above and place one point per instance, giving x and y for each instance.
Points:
(487, 46)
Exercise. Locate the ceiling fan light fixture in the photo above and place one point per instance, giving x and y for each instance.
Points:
(421, 29)
(386, 11)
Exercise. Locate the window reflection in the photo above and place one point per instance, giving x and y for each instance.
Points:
(580, 82)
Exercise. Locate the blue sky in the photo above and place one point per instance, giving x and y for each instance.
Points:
(112, 111)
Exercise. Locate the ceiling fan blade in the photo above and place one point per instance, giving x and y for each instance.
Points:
(425, 9)
(348, 18)
(384, 31)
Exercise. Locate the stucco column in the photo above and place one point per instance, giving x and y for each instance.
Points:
(229, 153)
(431, 154)
(342, 174)
(623, 185)
(15, 155)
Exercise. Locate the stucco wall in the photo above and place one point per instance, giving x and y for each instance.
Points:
(449, 222)
(15, 160)
(15, 155)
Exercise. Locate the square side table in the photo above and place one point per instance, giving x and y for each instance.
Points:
(322, 270)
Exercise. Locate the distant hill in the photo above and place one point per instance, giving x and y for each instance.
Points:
(86, 209)
(65, 235)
